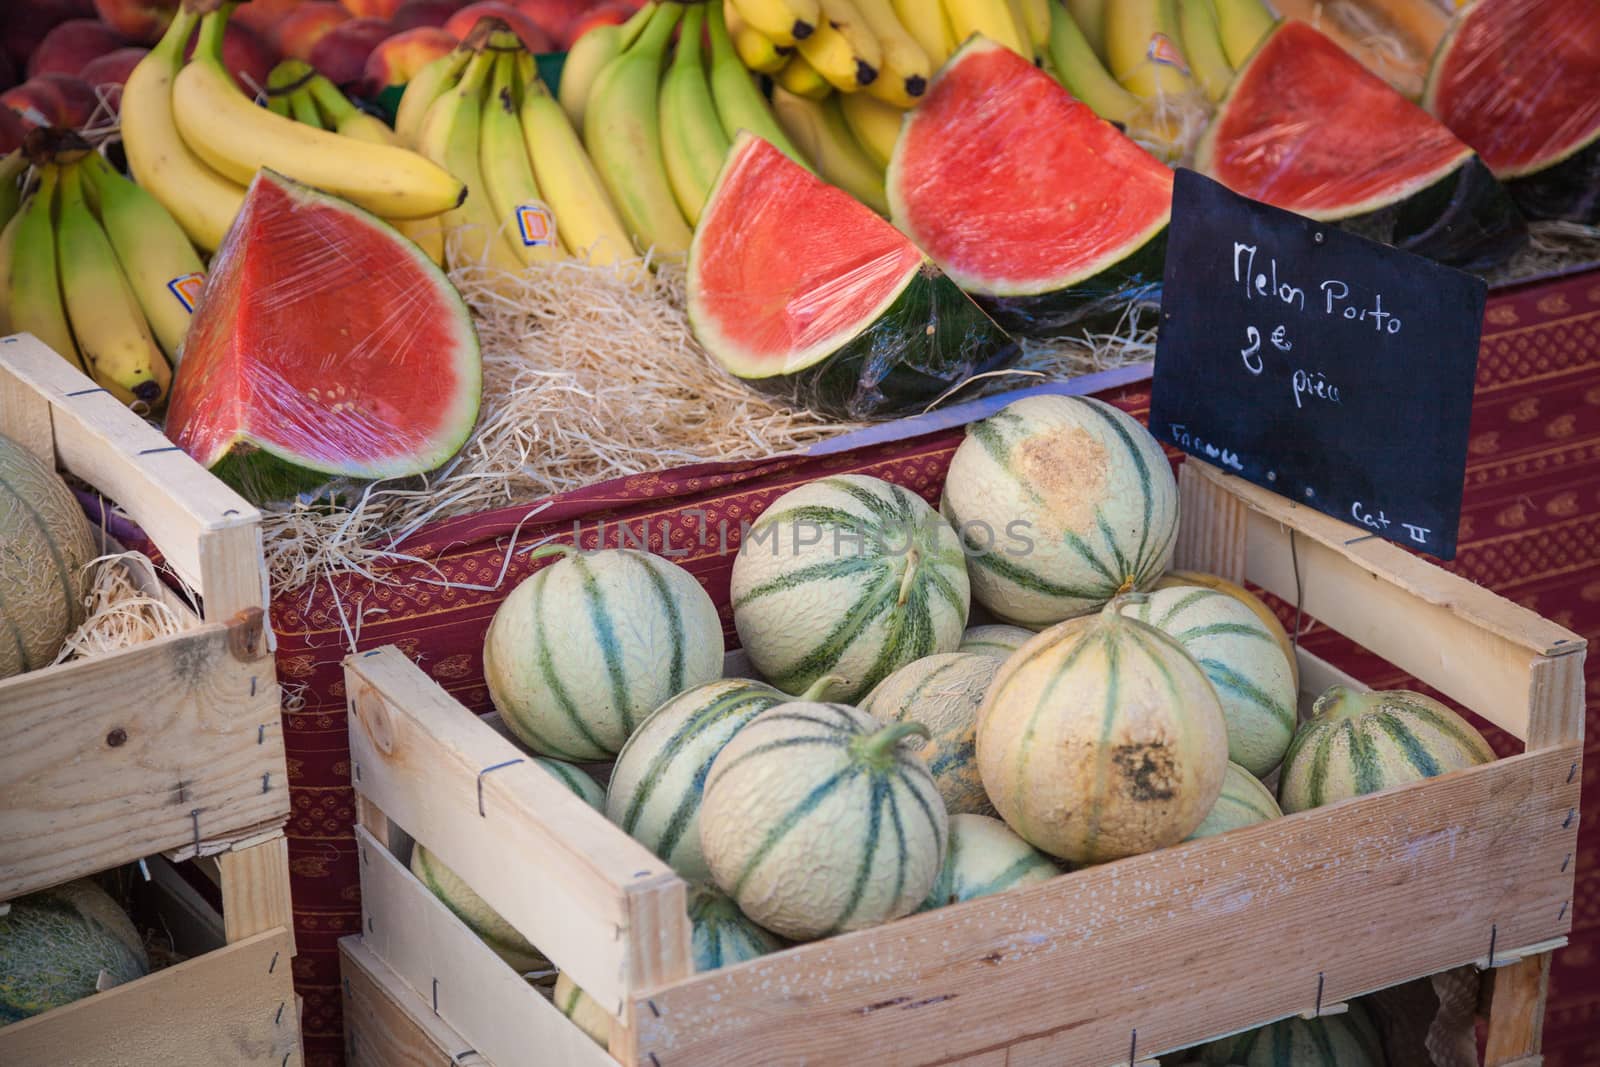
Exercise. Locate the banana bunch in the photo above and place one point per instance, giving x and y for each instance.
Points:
(483, 114)
(194, 141)
(97, 269)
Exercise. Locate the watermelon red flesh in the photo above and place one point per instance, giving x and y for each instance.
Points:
(1307, 128)
(1519, 81)
(324, 345)
(1015, 188)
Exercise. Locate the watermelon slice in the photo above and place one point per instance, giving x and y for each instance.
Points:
(1034, 205)
(325, 345)
(801, 290)
(1307, 128)
(1519, 80)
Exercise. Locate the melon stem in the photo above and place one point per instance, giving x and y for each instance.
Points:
(547, 551)
(819, 689)
(1115, 605)
(913, 558)
(877, 749)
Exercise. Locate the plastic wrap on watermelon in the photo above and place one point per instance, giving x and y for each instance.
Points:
(324, 346)
(1046, 214)
(1519, 81)
(805, 293)
(1307, 128)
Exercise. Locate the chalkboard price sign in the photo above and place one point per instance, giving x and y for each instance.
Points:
(1330, 369)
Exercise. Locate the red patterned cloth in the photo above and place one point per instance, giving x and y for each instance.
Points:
(1528, 530)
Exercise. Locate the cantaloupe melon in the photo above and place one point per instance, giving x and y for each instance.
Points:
(1063, 502)
(1268, 617)
(1347, 1040)
(722, 935)
(470, 908)
(576, 779)
(943, 693)
(985, 857)
(1357, 743)
(1242, 659)
(585, 648)
(995, 639)
(848, 575)
(54, 944)
(582, 1009)
(817, 820)
(1102, 738)
(1244, 802)
(45, 545)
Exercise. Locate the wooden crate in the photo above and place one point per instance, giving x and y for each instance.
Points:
(173, 747)
(1116, 963)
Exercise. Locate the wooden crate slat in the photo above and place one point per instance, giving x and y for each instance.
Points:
(603, 907)
(255, 888)
(1369, 893)
(456, 974)
(107, 758)
(386, 1024)
(232, 1006)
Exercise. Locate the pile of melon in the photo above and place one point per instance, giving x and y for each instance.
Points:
(886, 757)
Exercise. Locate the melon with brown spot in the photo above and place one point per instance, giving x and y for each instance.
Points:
(45, 545)
(984, 858)
(1242, 658)
(995, 639)
(1063, 502)
(1357, 743)
(943, 693)
(1268, 617)
(1244, 802)
(1102, 738)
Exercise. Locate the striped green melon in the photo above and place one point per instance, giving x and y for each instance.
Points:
(471, 909)
(1348, 1040)
(943, 693)
(985, 857)
(1358, 743)
(720, 934)
(45, 546)
(1063, 502)
(582, 1009)
(851, 576)
(576, 779)
(54, 944)
(1244, 802)
(655, 788)
(995, 640)
(1102, 738)
(1268, 617)
(817, 820)
(585, 648)
(1242, 658)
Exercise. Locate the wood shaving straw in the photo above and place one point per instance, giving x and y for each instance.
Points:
(119, 614)
(586, 378)
(1553, 247)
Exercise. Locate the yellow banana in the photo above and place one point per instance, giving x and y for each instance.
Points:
(993, 19)
(1080, 70)
(1203, 48)
(11, 168)
(589, 55)
(756, 50)
(903, 77)
(783, 22)
(449, 136)
(801, 79)
(1241, 24)
(8, 247)
(842, 48)
(875, 124)
(160, 264)
(740, 105)
(589, 224)
(818, 127)
(110, 329)
(35, 290)
(230, 133)
(1142, 49)
(519, 207)
(1090, 15)
(926, 21)
(431, 82)
(1036, 20)
(202, 201)
(693, 144)
(622, 131)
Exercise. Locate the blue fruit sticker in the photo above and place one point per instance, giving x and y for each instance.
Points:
(536, 225)
(187, 289)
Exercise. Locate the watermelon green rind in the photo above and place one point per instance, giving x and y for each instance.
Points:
(1095, 300)
(259, 460)
(1569, 191)
(1466, 219)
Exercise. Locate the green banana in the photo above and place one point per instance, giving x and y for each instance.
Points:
(8, 247)
(1203, 48)
(161, 266)
(693, 143)
(524, 216)
(1081, 71)
(35, 291)
(740, 104)
(1241, 24)
(590, 54)
(622, 131)
(1090, 15)
(818, 126)
(11, 168)
(430, 83)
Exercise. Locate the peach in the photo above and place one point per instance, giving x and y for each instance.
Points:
(371, 9)
(25, 23)
(70, 45)
(533, 38)
(112, 68)
(341, 54)
(610, 13)
(298, 32)
(140, 21)
(414, 13)
(551, 16)
(262, 15)
(396, 60)
(8, 72)
(12, 130)
(52, 100)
